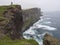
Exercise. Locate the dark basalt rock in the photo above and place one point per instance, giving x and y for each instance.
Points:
(50, 40)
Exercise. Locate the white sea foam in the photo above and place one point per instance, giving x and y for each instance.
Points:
(48, 22)
(38, 22)
(31, 33)
(38, 38)
(46, 27)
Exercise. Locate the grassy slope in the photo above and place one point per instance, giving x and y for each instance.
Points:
(8, 41)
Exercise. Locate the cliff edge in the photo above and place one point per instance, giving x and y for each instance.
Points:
(24, 19)
(18, 20)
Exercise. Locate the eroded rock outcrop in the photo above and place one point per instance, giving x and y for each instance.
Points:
(19, 20)
(14, 26)
(50, 40)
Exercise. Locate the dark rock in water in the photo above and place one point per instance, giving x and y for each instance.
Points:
(50, 40)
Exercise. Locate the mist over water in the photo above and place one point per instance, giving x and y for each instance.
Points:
(48, 23)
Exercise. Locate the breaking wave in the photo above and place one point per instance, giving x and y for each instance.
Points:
(38, 30)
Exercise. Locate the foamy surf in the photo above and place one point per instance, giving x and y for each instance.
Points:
(33, 33)
(46, 27)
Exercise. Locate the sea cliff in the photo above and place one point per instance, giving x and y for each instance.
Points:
(29, 16)
(17, 20)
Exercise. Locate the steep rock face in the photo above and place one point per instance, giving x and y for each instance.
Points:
(30, 16)
(34, 13)
(19, 20)
(50, 40)
(14, 26)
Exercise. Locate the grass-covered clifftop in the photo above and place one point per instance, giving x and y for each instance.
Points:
(4, 40)
(31, 15)
(3, 8)
(7, 41)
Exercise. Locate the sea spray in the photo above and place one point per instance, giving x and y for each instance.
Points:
(38, 30)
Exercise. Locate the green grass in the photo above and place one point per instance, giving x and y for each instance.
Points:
(8, 41)
(3, 8)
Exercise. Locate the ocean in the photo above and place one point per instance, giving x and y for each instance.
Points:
(49, 23)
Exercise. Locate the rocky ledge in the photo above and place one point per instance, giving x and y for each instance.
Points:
(50, 40)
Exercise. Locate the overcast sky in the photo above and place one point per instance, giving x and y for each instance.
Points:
(45, 5)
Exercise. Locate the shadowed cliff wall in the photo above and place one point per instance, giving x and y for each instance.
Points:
(19, 20)
(30, 16)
